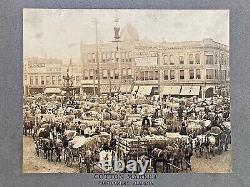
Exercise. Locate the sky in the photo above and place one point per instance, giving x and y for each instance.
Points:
(57, 33)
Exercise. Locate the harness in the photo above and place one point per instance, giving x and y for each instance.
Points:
(159, 153)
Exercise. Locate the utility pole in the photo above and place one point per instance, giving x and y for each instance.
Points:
(117, 41)
(97, 57)
(159, 79)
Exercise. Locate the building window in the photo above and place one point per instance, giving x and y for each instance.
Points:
(181, 74)
(191, 74)
(124, 72)
(156, 75)
(222, 59)
(42, 80)
(151, 75)
(198, 74)
(146, 75)
(31, 80)
(129, 73)
(59, 80)
(216, 58)
(171, 59)
(209, 59)
(85, 75)
(197, 58)
(36, 80)
(117, 56)
(91, 74)
(165, 74)
(105, 74)
(181, 58)
(53, 80)
(142, 76)
(216, 74)
(116, 74)
(165, 59)
(191, 59)
(209, 73)
(111, 74)
(172, 74)
(48, 80)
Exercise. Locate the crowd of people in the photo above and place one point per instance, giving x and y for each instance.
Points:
(53, 124)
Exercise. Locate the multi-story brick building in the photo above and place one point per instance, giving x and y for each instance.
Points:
(187, 68)
(46, 75)
(116, 67)
(143, 66)
(176, 68)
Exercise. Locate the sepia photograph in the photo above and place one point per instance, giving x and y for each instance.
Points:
(126, 91)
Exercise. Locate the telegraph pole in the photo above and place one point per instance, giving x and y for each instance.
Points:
(97, 57)
(117, 41)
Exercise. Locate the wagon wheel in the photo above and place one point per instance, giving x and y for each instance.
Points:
(80, 162)
(68, 157)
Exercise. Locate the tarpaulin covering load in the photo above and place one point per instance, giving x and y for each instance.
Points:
(80, 141)
(145, 90)
(52, 90)
(171, 90)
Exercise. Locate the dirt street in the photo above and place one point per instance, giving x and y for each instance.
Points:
(34, 164)
(218, 164)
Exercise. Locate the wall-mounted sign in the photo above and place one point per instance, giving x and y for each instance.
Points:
(146, 61)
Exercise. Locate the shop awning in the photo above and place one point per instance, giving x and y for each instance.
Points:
(88, 86)
(107, 88)
(190, 90)
(125, 89)
(135, 89)
(185, 90)
(144, 90)
(52, 90)
(195, 90)
(171, 90)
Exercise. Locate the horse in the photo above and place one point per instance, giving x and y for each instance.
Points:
(166, 156)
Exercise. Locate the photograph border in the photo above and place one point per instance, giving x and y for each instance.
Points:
(11, 44)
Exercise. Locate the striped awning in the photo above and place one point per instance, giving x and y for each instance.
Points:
(171, 90)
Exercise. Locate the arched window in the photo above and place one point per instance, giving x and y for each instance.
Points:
(191, 59)
(165, 59)
(197, 58)
(171, 59)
